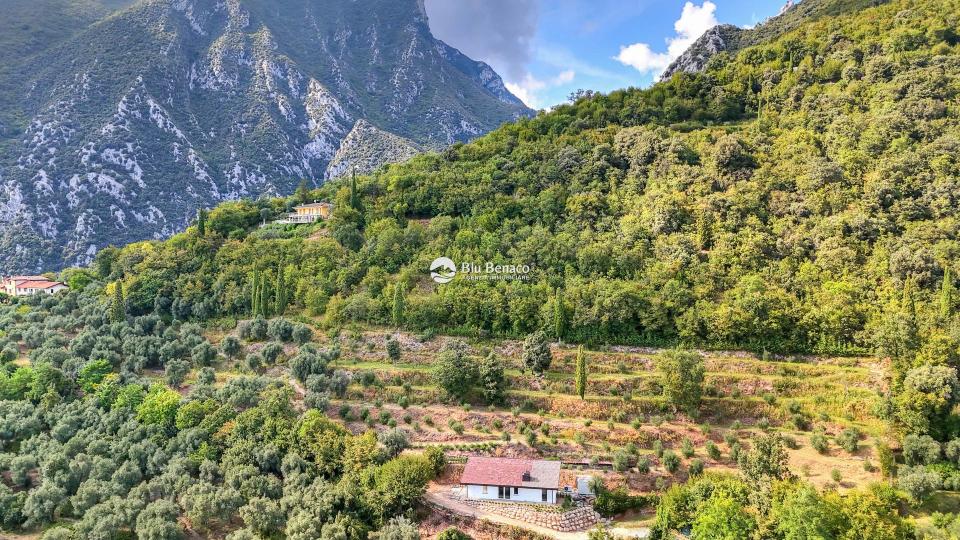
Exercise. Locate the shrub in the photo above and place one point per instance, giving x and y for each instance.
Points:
(436, 457)
(713, 450)
(920, 450)
(643, 465)
(393, 350)
(658, 448)
(453, 533)
(686, 448)
(280, 330)
(819, 442)
(918, 483)
(621, 461)
(671, 461)
(301, 334)
(952, 451)
(849, 439)
(696, 467)
(393, 441)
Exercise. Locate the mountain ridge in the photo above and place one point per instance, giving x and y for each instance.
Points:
(121, 131)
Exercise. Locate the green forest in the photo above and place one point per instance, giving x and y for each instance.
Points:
(798, 197)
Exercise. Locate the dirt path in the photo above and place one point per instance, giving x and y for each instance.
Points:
(440, 495)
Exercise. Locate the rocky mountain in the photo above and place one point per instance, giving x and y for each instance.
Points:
(119, 119)
(729, 38)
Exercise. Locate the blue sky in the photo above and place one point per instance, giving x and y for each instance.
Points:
(545, 49)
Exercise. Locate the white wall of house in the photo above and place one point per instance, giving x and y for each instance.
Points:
(531, 495)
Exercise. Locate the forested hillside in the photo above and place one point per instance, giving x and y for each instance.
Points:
(799, 197)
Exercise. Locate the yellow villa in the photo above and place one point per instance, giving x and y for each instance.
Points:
(308, 213)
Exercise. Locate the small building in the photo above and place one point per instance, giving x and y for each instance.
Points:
(308, 213)
(505, 479)
(30, 285)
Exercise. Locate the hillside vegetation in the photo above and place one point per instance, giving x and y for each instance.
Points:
(799, 197)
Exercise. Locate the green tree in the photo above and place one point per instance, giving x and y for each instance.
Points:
(399, 528)
(493, 383)
(118, 307)
(91, 375)
(723, 518)
(399, 305)
(580, 376)
(536, 353)
(159, 407)
(302, 194)
(802, 514)
(201, 222)
(681, 378)
(560, 317)
(454, 372)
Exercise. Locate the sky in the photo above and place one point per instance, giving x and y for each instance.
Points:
(546, 49)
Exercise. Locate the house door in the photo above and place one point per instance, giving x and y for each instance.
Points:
(503, 492)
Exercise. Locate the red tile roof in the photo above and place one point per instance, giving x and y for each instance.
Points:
(45, 284)
(510, 472)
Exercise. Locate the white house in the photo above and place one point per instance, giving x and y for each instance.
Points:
(28, 285)
(523, 480)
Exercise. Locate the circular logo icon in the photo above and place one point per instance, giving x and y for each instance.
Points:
(443, 270)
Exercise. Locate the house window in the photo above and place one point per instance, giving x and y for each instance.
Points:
(483, 490)
(543, 495)
(516, 490)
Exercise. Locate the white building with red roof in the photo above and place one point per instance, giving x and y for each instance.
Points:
(505, 479)
(29, 285)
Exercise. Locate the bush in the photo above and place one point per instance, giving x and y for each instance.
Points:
(393, 350)
(713, 450)
(918, 483)
(643, 465)
(849, 439)
(696, 467)
(280, 330)
(301, 334)
(621, 461)
(394, 441)
(819, 442)
(952, 451)
(671, 461)
(612, 502)
(687, 448)
(453, 533)
(436, 457)
(920, 450)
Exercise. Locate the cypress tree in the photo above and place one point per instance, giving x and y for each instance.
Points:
(399, 304)
(255, 293)
(281, 294)
(559, 316)
(202, 222)
(118, 308)
(946, 295)
(581, 375)
(264, 298)
(354, 195)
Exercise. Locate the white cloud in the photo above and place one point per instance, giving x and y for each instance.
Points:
(693, 22)
(528, 87)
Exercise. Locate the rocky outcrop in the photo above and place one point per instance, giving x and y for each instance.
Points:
(720, 38)
(366, 147)
(119, 129)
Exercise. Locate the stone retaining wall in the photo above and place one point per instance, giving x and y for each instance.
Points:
(577, 519)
